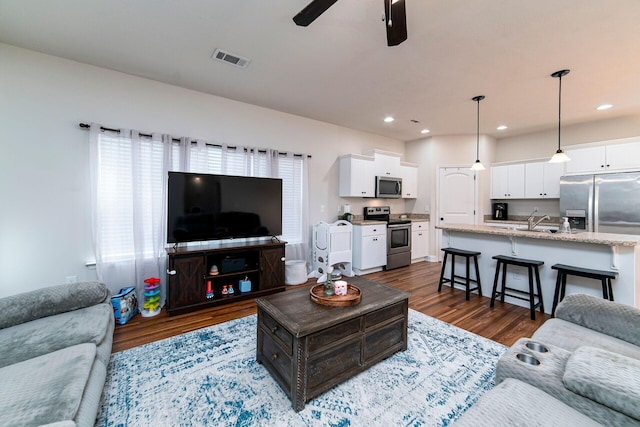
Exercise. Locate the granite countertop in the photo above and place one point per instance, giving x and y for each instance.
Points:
(579, 237)
(368, 222)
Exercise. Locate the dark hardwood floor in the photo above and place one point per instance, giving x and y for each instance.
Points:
(504, 323)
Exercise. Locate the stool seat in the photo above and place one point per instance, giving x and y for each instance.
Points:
(521, 262)
(564, 270)
(467, 279)
(461, 252)
(585, 272)
(532, 267)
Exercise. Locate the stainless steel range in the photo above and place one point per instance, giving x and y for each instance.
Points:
(398, 236)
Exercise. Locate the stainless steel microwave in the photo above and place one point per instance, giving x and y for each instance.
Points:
(388, 187)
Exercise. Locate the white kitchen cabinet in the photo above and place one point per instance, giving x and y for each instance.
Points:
(386, 163)
(586, 160)
(409, 175)
(419, 240)
(542, 180)
(507, 181)
(369, 248)
(608, 158)
(357, 176)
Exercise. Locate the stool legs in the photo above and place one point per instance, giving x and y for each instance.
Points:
(467, 278)
(444, 265)
(539, 290)
(475, 262)
(467, 287)
(531, 269)
(495, 285)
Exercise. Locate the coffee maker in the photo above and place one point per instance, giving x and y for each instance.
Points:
(500, 211)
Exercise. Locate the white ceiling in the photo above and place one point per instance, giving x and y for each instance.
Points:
(339, 69)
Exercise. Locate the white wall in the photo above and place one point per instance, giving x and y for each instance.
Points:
(45, 232)
(545, 143)
(435, 152)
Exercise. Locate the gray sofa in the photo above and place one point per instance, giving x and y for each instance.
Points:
(583, 362)
(55, 344)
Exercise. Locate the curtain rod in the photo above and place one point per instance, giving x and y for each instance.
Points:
(148, 135)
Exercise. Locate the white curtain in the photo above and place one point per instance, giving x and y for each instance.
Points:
(300, 249)
(129, 196)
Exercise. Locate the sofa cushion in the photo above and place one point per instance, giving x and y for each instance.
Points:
(608, 317)
(42, 336)
(28, 306)
(45, 389)
(608, 378)
(515, 403)
(571, 336)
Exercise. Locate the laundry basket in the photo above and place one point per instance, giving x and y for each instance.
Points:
(295, 272)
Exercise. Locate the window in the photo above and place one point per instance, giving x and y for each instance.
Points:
(131, 185)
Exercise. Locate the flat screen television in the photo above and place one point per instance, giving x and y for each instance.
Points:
(204, 207)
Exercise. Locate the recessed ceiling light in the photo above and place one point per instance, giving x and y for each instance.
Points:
(425, 131)
(388, 119)
(603, 107)
(501, 127)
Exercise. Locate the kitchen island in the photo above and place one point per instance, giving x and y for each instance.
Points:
(601, 251)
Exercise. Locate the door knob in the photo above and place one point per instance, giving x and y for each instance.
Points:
(171, 272)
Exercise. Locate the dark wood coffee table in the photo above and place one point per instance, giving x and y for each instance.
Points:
(309, 348)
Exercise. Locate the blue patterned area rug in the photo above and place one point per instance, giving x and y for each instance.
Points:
(210, 377)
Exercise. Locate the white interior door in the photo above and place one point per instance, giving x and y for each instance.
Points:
(457, 202)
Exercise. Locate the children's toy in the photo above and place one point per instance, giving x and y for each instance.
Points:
(245, 285)
(213, 271)
(209, 290)
(230, 289)
(225, 291)
(151, 305)
(125, 305)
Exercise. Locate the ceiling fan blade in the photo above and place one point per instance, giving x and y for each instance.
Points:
(312, 11)
(397, 32)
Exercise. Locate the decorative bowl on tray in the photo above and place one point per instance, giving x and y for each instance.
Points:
(352, 297)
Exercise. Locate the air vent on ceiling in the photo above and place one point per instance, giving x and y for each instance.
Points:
(229, 58)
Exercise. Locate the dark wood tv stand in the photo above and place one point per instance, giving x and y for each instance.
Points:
(189, 271)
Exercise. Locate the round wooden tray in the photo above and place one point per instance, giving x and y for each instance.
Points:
(351, 298)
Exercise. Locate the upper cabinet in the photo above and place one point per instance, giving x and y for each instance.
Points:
(608, 158)
(507, 181)
(409, 175)
(357, 176)
(358, 173)
(386, 163)
(542, 180)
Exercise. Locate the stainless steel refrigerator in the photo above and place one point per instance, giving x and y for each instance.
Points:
(608, 203)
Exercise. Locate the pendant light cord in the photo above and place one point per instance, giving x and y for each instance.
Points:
(478, 132)
(559, 106)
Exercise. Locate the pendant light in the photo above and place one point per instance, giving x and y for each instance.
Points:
(560, 156)
(477, 166)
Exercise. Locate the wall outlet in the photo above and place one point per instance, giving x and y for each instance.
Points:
(71, 279)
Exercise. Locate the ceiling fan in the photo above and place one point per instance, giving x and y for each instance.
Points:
(395, 18)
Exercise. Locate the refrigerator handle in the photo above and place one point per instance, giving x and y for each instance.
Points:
(596, 196)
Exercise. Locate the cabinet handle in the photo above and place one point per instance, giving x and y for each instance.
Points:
(601, 166)
(274, 356)
(608, 165)
(171, 272)
(274, 329)
(282, 259)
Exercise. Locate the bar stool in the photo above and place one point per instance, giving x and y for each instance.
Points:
(561, 282)
(467, 279)
(532, 265)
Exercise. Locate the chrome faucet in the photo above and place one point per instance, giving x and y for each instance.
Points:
(531, 225)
